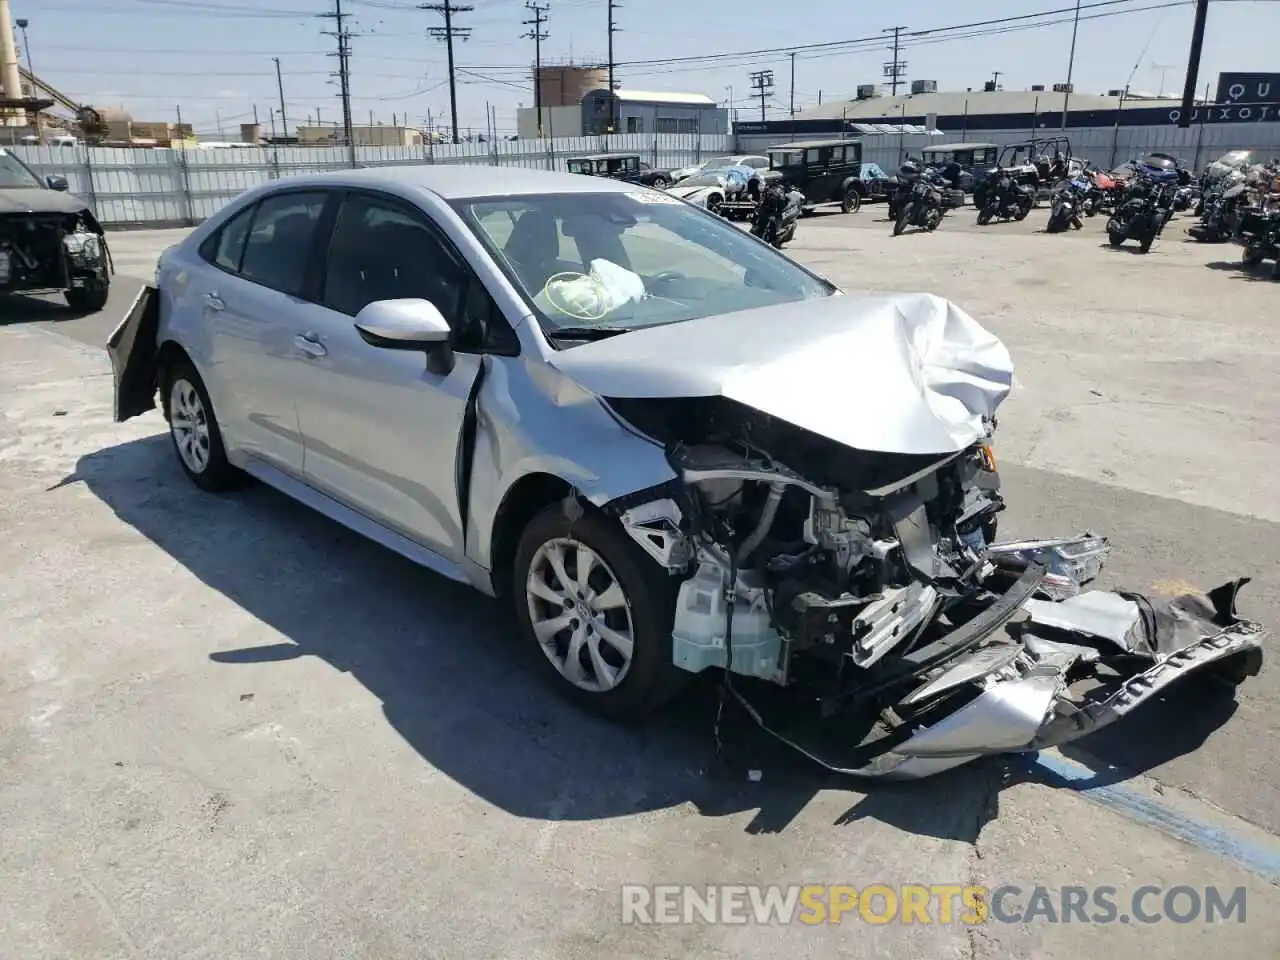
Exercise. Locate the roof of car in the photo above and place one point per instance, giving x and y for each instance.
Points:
(604, 156)
(805, 144)
(456, 181)
(941, 147)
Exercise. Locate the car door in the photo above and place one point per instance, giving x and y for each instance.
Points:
(381, 429)
(251, 298)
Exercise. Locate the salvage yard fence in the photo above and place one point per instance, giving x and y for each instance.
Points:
(181, 187)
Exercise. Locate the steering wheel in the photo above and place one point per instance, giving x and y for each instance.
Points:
(568, 310)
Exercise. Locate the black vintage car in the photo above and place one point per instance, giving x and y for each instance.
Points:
(825, 171)
(50, 241)
(971, 158)
(621, 166)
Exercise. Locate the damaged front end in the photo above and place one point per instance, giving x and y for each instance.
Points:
(867, 587)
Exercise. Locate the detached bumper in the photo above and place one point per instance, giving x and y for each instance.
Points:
(1070, 668)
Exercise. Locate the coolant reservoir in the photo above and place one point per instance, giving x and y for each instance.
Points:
(699, 632)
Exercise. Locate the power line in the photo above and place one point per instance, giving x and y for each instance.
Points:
(537, 35)
(762, 87)
(896, 68)
(447, 33)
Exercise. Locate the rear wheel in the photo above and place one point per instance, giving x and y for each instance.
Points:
(596, 613)
(851, 202)
(194, 430)
(660, 183)
(1251, 256)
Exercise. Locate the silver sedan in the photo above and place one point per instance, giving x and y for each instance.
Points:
(675, 449)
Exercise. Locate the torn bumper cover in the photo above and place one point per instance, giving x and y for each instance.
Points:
(1029, 673)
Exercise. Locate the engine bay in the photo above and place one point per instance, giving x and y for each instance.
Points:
(47, 252)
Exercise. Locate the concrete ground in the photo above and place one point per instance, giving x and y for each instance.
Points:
(230, 728)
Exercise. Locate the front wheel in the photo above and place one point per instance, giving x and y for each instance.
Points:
(1115, 234)
(1023, 208)
(904, 217)
(91, 298)
(985, 214)
(1251, 256)
(660, 183)
(596, 613)
(1148, 239)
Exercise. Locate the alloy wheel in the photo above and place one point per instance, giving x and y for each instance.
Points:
(580, 614)
(189, 422)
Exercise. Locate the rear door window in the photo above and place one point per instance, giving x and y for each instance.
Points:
(280, 241)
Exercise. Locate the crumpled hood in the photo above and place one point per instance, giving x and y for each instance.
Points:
(37, 200)
(909, 373)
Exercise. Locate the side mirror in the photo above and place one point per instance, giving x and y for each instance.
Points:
(56, 182)
(409, 324)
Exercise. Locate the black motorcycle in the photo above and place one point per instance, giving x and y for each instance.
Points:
(1259, 234)
(1006, 200)
(921, 203)
(1143, 213)
(777, 215)
(1221, 212)
(1067, 206)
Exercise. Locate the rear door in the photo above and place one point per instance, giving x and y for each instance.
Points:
(251, 296)
(382, 431)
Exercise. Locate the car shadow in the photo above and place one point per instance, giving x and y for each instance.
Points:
(454, 683)
(1263, 271)
(16, 308)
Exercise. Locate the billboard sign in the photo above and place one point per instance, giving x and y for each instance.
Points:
(1248, 88)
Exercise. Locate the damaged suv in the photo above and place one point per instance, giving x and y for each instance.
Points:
(675, 449)
(50, 241)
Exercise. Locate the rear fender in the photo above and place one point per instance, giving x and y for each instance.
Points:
(134, 355)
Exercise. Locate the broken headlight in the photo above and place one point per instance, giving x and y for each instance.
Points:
(83, 247)
(1071, 561)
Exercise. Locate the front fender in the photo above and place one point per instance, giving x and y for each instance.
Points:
(532, 419)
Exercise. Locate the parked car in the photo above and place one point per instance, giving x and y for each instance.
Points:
(873, 183)
(754, 161)
(50, 241)
(825, 171)
(638, 423)
(733, 192)
(969, 157)
(620, 166)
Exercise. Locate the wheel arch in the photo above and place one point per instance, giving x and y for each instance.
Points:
(523, 500)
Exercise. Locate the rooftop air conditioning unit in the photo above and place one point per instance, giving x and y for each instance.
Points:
(867, 91)
(1037, 88)
(924, 86)
(1115, 93)
(989, 87)
(1064, 88)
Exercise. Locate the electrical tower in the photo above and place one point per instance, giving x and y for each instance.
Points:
(896, 68)
(343, 53)
(446, 33)
(762, 87)
(537, 35)
(995, 79)
(613, 86)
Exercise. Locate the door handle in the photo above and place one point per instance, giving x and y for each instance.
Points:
(214, 302)
(310, 344)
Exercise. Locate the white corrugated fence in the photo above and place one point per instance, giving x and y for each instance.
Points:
(173, 187)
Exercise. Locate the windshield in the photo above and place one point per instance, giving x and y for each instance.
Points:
(619, 261)
(13, 173)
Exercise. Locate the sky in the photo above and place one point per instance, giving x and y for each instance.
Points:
(212, 59)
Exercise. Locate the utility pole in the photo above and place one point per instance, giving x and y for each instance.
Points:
(793, 83)
(1193, 65)
(995, 79)
(446, 33)
(896, 68)
(284, 117)
(537, 35)
(762, 87)
(1071, 62)
(613, 86)
(343, 36)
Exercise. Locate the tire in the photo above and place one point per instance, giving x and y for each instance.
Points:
(1055, 224)
(186, 401)
(647, 597)
(1147, 240)
(91, 298)
(900, 224)
(1115, 236)
(1251, 256)
(714, 203)
(1275, 271)
(851, 202)
(985, 214)
(1023, 209)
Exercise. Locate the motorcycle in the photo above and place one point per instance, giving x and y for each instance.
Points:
(1222, 209)
(778, 215)
(1067, 207)
(1006, 200)
(1143, 214)
(921, 203)
(1259, 234)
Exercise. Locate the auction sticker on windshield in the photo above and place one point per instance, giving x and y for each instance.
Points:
(653, 197)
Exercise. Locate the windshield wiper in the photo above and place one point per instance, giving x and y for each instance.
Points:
(586, 333)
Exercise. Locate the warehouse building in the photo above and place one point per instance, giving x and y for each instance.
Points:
(570, 108)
